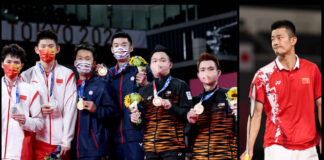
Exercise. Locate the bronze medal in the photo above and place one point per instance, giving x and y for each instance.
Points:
(157, 101)
(199, 108)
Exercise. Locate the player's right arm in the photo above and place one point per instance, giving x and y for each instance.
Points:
(255, 127)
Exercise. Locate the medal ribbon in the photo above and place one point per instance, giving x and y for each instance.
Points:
(208, 95)
(121, 69)
(81, 89)
(17, 91)
(163, 88)
(52, 78)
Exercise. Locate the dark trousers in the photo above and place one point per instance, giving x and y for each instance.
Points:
(129, 151)
(167, 155)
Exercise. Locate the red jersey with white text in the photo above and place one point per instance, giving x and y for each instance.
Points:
(289, 99)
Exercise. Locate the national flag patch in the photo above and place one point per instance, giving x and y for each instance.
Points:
(23, 97)
(59, 80)
(188, 93)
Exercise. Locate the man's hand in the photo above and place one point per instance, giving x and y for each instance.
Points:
(19, 117)
(192, 116)
(166, 104)
(135, 116)
(242, 157)
(46, 109)
(64, 151)
(141, 78)
(89, 105)
(98, 66)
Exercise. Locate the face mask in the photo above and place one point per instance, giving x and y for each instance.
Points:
(121, 53)
(83, 66)
(160, 69)
(11, 70)
(47, 55)
(208, 78)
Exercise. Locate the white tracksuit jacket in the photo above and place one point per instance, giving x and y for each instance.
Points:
(60, 125)
(12, 133)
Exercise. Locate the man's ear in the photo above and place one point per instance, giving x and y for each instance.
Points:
(219, 72)
(171, 65)
(58, 49)
(36, 50)
(22, 65)
(294, 40)
(94, 64)
(131, 49)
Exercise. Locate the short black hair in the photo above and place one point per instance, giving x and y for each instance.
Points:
(85, 46)
(122, 35)
(46, 34)
(15, 51)
(161, 48)
(284, 24)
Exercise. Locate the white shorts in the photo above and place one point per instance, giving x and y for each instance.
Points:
(278, 152)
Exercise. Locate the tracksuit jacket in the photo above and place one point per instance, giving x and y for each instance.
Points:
(16, 138)
(123, 84)
(91, 132)
(60, 125)
(214, 135)
(164, 128)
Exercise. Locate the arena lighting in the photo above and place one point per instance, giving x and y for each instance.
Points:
(216, 42)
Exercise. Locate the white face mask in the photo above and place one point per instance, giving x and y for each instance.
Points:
(121, 53)
(83, 66)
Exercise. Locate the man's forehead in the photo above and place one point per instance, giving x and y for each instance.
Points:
(47, 41)
(160, 55)
(120, 40)
(208, 63)
(12, 58)
(279, 31)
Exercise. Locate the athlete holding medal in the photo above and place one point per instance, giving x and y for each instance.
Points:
(58, 95)
(20, 107)
(95, 106)
(166, 102)
(212, 132)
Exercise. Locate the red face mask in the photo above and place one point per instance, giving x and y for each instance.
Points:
(11, 70)
(47, 55)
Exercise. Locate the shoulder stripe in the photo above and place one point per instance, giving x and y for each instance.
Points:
(31, 103)
(70, 77)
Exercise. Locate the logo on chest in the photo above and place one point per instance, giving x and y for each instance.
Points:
(305, 80)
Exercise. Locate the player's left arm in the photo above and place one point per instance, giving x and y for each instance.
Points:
(319, 106)
(318, 97)
(69, 112)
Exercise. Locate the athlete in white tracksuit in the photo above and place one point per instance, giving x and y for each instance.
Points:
(14, 138)
(60, 125)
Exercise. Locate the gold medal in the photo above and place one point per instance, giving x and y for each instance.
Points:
(102, 71)
(157, 101)
(199, 108)
(80, 105)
